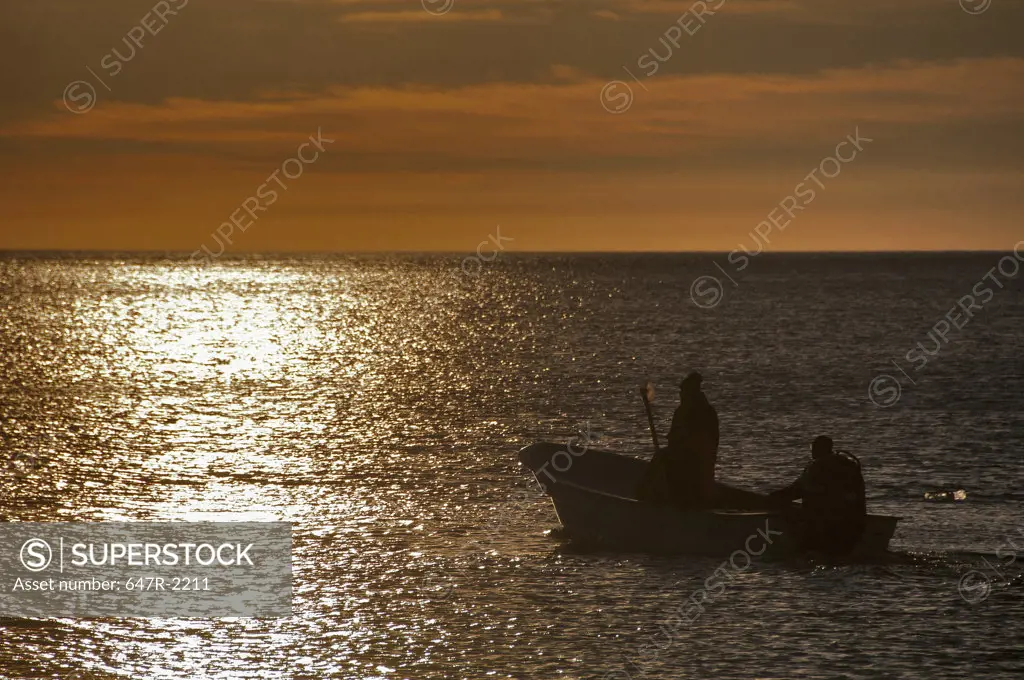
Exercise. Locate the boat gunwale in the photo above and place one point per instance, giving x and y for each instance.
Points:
(711, 511)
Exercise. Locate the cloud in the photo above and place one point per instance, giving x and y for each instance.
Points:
(519, 122)
(566, 72)
(677, 7)
(421, 15)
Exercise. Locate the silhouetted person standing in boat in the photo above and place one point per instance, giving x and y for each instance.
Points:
(832, 489)
(683, 473)
(693, 445)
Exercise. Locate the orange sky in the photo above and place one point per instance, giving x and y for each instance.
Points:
(447, 124)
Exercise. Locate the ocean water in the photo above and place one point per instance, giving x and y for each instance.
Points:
(378, 403)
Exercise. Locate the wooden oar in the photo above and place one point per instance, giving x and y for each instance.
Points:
(653, 485)
(647, 394)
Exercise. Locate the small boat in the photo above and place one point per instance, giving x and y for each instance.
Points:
(594, 497)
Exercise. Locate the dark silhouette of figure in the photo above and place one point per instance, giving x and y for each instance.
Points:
(832, 490)
(693, 444)
(683, 473)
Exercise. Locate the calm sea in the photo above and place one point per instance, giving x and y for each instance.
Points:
(378, 403)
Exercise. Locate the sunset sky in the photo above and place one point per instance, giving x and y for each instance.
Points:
(450, 117)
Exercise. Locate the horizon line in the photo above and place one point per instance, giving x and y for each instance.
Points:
(185, 253)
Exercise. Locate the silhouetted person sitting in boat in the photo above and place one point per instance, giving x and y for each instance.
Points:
(683, 473)
(832, 490)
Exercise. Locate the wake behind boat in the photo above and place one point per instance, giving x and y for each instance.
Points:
(594, 494)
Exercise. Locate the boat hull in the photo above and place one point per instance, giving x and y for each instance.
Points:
(593, 495)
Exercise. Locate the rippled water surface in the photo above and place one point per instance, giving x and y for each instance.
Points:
(378, 403)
